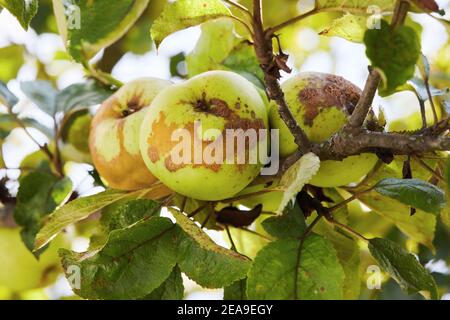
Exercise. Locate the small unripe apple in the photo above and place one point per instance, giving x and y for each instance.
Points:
(19, 269)
(205, 108)
(322, 104)
(114, 135)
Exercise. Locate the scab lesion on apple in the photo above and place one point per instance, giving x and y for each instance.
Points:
(114, 135)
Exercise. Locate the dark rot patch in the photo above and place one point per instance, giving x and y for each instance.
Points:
(325, 91)
(160, 144)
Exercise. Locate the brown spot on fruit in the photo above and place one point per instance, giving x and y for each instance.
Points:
(325, 91)
(153, 154)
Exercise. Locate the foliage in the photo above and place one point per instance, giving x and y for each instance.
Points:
(317, 244)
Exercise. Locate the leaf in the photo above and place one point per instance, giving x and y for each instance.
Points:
(23, 10)
(420, 89)
(134, 261)
(182, 14)
(81, 95)
(413, 192)
(8, 122)
(205, 262)
(42, 94)
(295, 178)
(11, 60)
(349, 256)
(395, 52)
(242, 59)
(39, 194)
(122, 214)
(235, 291)
(291, 224)
(275, 269)
(350, 27)
(77, 210)
(171, 289)
(88, 26)
(6, 96)
(403, 267)
(209, 53)
(354, 5)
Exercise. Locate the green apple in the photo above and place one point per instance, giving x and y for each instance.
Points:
(198, 115)
(20, 270)
(114, 135)
(321, 104)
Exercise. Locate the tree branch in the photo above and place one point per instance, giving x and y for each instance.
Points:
(365, 101)
(271, 68)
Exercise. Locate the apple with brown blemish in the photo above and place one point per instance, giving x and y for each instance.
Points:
(322, 104)
(114, 135)
(200, 137)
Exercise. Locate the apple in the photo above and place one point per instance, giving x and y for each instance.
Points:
(20, 270)
(185, 133)
(322, 104)
(114, 135)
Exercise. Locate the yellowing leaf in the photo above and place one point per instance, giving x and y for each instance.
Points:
(349, 27)
(294, 179)
(181, 14)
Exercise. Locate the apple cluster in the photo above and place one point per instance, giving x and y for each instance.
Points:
(132, 138)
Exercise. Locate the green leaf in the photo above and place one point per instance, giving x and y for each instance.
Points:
(135, 261)
(171, 289)
(348, 254)
(403, 267)
(77, 210)
(11, 60)
(181, 14)
(88, 26)
(23, 10)
(242, 60)
(413, 192)
(350, 27)
(395, 52)
(6, 96)
(205, 262)
(209, 53)
(39, 194)
(42, 94)
(8, 122)
(81, 95)
(356, 5)
(122, 214)
(291, 224)
(236, 291)
(276, 268)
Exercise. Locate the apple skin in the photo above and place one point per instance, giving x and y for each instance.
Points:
(322, 103)
(114, 135)
(19, 270)
(220, 100)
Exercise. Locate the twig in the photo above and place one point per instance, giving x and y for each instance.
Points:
(264, 52)
(240, 7)
(245, 24)
(256, 233)
(429, 169)
(400, 12)
(365, 101)
(346, 228)
(233, 246)
(296, 19)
